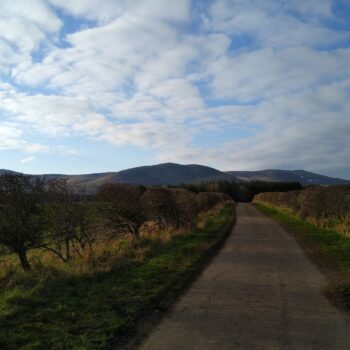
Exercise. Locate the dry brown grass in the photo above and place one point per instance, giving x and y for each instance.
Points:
(106, 253)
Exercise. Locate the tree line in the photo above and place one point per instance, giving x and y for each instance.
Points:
(242, 191)
(64, 219)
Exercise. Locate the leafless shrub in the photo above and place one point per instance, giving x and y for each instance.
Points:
(160, 206)
(71, 221)
(123, 208)
(186, 208)
(21, 221)
(208, 200)
(324, 206)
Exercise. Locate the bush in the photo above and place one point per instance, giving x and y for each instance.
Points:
(324, 206)
(186, 208)
(242, 191)
(71, 223)
(123, 208)
(160, 206)
(208, 200)
(21, 219)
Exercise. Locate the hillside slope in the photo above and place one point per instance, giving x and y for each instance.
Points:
(171, 173)
(161, 174)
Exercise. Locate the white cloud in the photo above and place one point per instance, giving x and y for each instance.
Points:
(102, 59)
(267, 73)
(11, 138)
(25, 25)
(27, 160)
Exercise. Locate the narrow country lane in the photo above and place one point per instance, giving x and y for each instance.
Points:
(260, 292)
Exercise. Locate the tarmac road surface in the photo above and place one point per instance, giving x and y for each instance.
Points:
(259, 292)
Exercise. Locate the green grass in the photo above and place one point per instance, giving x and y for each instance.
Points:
(50, 309)
(330, 249)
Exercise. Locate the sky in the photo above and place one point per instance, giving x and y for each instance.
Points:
(104, 85)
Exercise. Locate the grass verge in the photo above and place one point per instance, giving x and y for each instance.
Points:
(52, 310)
(329, 249)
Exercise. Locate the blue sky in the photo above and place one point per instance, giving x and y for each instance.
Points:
(104, 85)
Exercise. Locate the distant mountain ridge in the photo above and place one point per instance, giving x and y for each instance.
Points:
(5, 171)
(273, 175)
(174, 174)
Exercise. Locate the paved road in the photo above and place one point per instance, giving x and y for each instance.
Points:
(260, 292)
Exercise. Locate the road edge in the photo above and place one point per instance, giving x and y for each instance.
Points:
(146, 325)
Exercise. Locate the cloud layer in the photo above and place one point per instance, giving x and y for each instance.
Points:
(236, 84)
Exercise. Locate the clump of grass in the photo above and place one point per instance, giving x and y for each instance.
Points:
(65, 308)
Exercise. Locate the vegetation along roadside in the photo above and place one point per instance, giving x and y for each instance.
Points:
(95, 301)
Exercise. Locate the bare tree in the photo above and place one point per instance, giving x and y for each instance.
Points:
(186, 208)
(89, 226)
(160, 206)
(61, 219)
(123, 208)
(21, 220)
(70, 220)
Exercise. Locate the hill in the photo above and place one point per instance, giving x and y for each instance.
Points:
(274, 175)
(171, 173)
(174, 174)
(161, 174)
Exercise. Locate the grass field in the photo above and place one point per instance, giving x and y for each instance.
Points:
(52, 309)
(329, 249)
